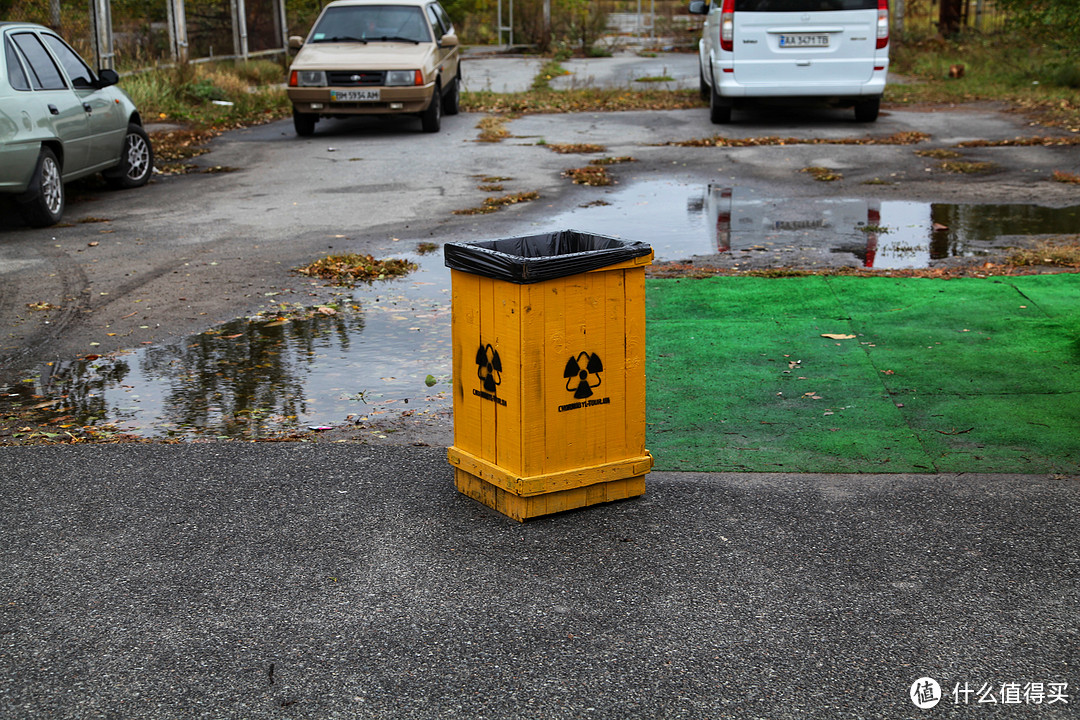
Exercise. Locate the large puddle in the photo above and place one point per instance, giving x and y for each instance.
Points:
(681, 221)
(387, 351)
(261, 377)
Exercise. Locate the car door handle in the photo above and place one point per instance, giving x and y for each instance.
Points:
(53, 110)
(87, 108)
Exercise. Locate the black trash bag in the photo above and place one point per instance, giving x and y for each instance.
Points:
(534, 258)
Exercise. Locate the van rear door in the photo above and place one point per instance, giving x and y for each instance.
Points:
(804, 42)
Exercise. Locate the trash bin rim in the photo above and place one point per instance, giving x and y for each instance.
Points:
(525, 269)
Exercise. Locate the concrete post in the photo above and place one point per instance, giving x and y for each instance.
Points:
(101, 26)
(178, 42)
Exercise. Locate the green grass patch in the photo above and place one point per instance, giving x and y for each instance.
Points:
(955, 375)
(1026, 73)
(211, 95)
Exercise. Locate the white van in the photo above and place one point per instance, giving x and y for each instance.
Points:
(834, 50)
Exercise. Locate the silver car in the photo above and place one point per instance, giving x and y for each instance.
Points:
(60, 121)
(754, 51)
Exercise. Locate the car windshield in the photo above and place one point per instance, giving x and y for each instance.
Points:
(803, 5)
(372, 23)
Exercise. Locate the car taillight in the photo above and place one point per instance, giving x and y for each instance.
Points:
(727, 25)
(882, 24)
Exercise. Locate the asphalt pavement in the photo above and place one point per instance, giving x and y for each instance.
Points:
(245, 580)
(323, 580)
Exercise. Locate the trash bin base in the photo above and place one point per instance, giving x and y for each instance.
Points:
(522, 508)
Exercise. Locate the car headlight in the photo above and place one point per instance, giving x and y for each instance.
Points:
(311, 78)
(404, 77)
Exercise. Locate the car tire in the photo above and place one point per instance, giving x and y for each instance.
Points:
(43, 202)
(431, 119)
(136, 160)
(304, 123)
(452, 99)
(719, 112)
(867, 111)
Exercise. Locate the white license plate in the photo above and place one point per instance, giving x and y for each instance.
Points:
(354, 96)
(804, 40)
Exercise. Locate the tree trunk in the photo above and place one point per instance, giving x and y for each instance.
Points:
(949, 18)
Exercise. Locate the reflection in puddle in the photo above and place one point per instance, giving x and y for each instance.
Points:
(259, 378)
(681, 221)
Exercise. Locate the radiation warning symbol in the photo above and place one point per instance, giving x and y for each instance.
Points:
(582, 374)
(489, 367)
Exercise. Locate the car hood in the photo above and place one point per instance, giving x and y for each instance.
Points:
(373, 56)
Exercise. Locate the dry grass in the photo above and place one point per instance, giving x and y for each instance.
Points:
(492, 204)
(593, 175)
(613, 160)
(961, 167)
(349, 268)
(566, 149)
(939, 154)
(492, 129)
(823, 174)
(584, 100)
(897, 138)
(1056, 252)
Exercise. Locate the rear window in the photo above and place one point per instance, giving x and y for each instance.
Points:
(803, 5)
(16, 76)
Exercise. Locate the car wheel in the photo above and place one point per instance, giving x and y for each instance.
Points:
(432, 117)
(136, 160)
(719, 113)
(43, 202)
(304, 123)
(867, 111)
(452, 99)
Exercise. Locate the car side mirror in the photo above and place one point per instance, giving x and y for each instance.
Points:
(448, 40)
(295, 42)
(699, 7)
(106, 77)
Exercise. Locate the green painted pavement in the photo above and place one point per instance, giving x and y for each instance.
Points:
(961, 375)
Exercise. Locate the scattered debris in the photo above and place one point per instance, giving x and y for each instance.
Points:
(961, 167)
(583, 148)
(493, 204)
(908, 137)
(939, 154)
(613, 160)
(593, 175)
(492, 129)
(349, 268)
(823, 174)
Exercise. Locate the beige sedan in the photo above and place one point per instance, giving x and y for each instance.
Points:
(372, 57)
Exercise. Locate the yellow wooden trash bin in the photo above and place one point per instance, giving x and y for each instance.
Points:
(549, 371)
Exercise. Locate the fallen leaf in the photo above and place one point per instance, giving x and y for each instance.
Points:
(837, 336)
